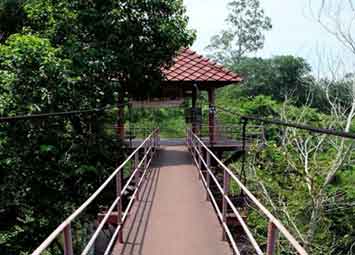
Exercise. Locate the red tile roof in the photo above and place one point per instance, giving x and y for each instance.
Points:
(191, 67)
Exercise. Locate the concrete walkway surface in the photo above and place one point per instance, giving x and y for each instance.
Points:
(172, 216)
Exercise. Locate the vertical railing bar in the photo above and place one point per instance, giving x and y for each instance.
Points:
(272, 234)
(243, 175)
(199, 159)
(119, 204)
(208, 176)
(136, 162)
(224, 201)
(145, 153)
(68, 240)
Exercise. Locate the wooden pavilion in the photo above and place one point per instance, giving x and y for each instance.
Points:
(190, 74)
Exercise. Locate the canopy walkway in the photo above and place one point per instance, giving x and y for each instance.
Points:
(180, 196)
(179, 206)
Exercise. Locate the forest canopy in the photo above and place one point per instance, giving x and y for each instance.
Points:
(69, 55)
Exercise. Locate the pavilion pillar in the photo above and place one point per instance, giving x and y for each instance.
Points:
(212, 115)
(194, 99)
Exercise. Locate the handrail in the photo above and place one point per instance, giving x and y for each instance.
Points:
(292, 125)
(6, 119)
(152, 141)
(195, 144)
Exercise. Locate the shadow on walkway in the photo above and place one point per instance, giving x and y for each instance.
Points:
(136, 227)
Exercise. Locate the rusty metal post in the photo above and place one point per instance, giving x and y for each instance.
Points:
(68, 241)
(193, 148)
(208, 177)
(119, 204)
(138, 174)
(199, 161)
(272, 233)
(226, 185)
(145, 155)
(152, 145)
(150, 150)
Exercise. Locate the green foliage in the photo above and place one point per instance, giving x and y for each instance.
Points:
(70, 55)
(277, 176)
(33, 77)
(247, 24)
(128, 41)
(282, 77)
(171, 121)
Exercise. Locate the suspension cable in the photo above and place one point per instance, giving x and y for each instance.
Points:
(56, 114)
(290, 124)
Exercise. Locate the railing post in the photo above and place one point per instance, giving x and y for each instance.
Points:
(119, 204)
(272, 233)
(208, 177)
(226, 182)
(155, 137)
(145, 155)
(192, 146)
(150, 149)
(68, 241)
(199, 161)
(187, 139)
(138, 174)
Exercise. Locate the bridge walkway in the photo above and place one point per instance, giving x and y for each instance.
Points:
(172, 215)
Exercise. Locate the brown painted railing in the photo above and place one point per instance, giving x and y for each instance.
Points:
(198, 149)
(150, 144)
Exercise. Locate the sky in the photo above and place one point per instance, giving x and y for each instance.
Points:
(295, 31)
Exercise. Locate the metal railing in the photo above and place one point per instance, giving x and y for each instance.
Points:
(289, 124)
(232, 132)
(141, 166)
(198, 149)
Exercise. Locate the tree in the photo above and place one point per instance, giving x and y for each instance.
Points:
(72, 55)
(125, 41)
(247, 24)
(279, 77)
(304, 178)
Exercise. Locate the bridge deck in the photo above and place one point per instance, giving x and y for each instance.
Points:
(172, 215)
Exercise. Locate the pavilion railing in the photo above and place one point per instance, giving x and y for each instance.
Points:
(202, 156)
(232, 132)
(141, 166)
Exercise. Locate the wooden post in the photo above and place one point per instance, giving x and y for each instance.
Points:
(119, 204)
(211, 115)
(68, 241)
(226, 184)
(272, 233)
